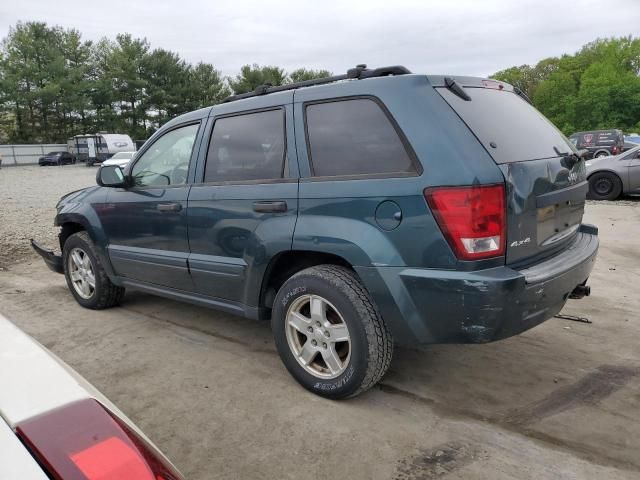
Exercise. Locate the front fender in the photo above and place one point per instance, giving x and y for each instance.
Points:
(86, 215)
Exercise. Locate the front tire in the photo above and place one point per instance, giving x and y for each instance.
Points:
(329, 333)
(86, 277)
(604, 186)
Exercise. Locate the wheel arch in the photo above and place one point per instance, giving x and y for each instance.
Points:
(69, 228)
(286, 264)
(606, 170)
(602, 150)
(73, 222)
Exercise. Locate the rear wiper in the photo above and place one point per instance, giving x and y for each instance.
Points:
(522, 95)
(571, 156)
(582, 153)
(456, 88)
(579, 154)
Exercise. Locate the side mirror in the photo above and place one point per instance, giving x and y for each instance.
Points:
(110, 176)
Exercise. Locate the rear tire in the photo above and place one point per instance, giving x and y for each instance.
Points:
(604, 186)
(602, 154)
(305, 337)
(86, 277)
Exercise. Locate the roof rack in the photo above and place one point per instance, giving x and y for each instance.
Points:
(360, 72)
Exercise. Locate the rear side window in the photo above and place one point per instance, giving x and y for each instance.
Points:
(354, 137)
(247, 147)
(501, 118)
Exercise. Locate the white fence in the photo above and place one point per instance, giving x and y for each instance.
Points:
(27, 154)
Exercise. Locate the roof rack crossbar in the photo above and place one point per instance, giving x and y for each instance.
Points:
(359, 72)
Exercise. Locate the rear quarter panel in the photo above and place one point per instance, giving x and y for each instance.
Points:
(338, 215)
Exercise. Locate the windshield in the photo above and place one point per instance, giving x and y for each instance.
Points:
(509, 128)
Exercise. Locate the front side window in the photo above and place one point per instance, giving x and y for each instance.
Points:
(166, 162)
(247, 147)
(354, 137)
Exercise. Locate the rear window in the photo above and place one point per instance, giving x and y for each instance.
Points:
(518, 131)
(354, 137)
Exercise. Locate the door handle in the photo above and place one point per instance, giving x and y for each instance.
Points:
(270, 207)
(169, 207)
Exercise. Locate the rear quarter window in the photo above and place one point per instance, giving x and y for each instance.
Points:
(354, 137)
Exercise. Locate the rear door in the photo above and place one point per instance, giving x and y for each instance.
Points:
(243, 207)
(546, 184)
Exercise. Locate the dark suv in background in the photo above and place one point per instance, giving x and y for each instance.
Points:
(56, 158)
(599, 143)
(355, 212)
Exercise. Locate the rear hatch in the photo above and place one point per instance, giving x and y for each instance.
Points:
(545, 181)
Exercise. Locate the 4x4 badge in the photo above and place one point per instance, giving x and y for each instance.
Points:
(517, 243)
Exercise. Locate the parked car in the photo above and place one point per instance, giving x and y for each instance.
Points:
(609, 177)
(122, 159)
(98, 147)
(631, 141)
(56, 158)
(355, 212)
(599, 143)
(55, 425)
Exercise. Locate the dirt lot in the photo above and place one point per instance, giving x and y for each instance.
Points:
(558, 402)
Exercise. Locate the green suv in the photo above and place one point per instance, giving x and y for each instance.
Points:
(355, 212)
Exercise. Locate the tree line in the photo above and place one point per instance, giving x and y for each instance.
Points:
(54, 84)
(598, 87)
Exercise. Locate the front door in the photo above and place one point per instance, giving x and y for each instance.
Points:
(244, 210)
(146, 224)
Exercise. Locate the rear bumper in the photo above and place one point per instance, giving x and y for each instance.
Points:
(424, 306)
(53, 261)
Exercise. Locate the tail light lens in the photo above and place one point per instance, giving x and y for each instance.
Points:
(614, 150)
(472, 219)
(83, 441)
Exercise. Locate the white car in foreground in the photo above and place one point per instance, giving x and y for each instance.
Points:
(121, 159)
(55, 425)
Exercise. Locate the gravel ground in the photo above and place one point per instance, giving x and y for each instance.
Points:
(28, 197)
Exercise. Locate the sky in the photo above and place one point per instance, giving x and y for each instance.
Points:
(454, 37)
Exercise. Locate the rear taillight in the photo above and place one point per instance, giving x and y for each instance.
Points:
(614, 150)
(83, 441)
(471, 218)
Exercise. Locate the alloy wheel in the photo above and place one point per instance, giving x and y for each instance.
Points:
(81, 273)
(318, 336)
